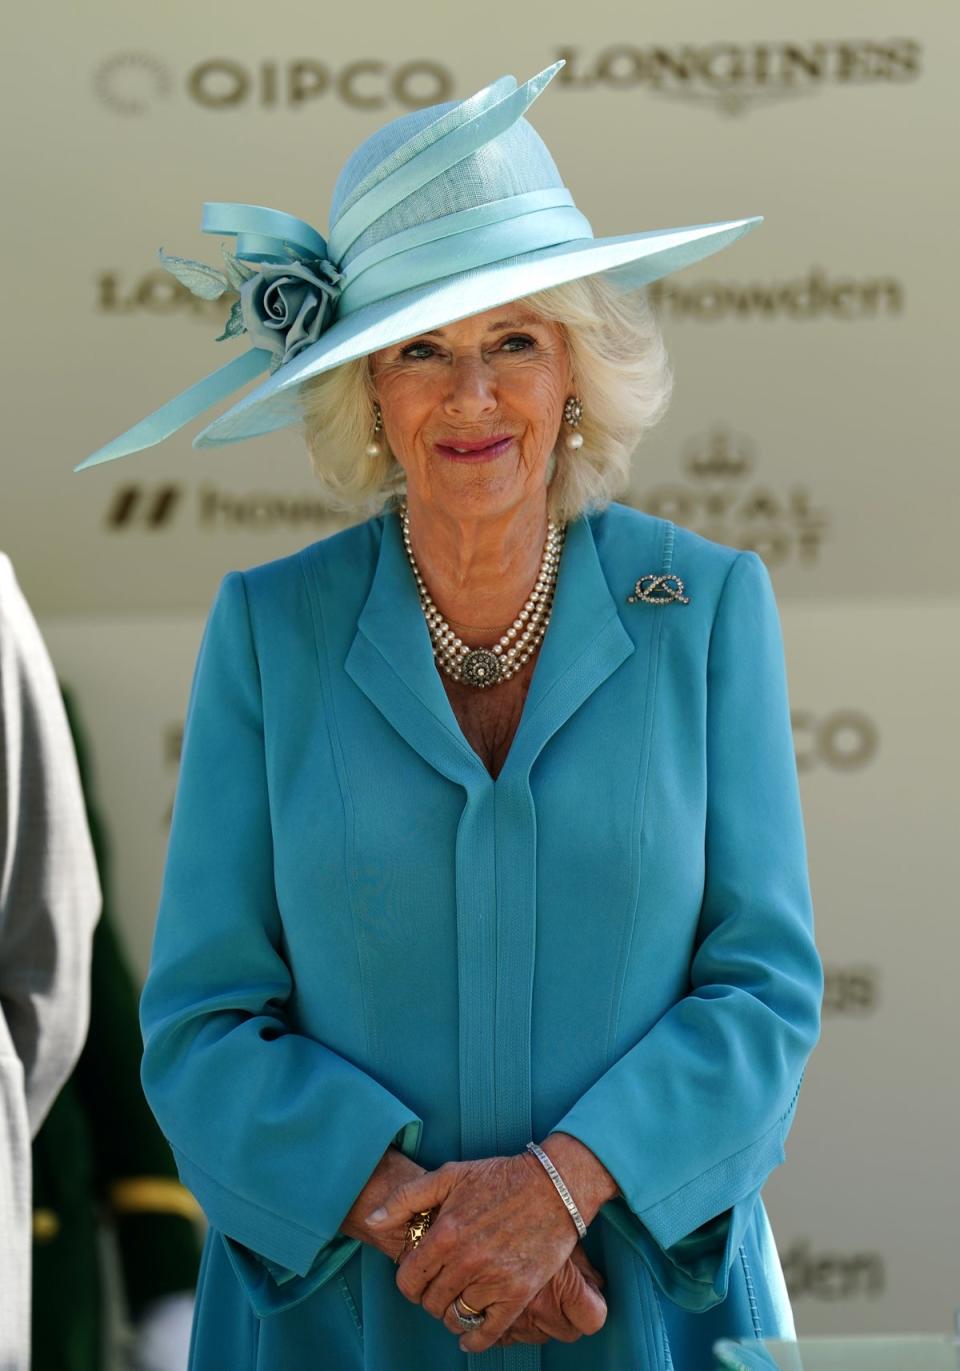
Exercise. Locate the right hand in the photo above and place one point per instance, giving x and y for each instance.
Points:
(569, 1306)
(392, 1170)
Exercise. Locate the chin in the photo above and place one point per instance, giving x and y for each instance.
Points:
(475, 493)
(479, 503)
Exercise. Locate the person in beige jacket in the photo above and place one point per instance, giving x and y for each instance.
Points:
(49, 905)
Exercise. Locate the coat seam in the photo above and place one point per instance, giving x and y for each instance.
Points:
(751, 1294)
(666, 560)
(639, 808)
(253, 647)
(257, 1333)
(252, 639)
(351, 1304)
(716, 612)
(650, 1303)
(321, 649)
(667, 1354)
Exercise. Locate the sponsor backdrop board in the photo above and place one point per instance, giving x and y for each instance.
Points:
(808, 423)
(820, 341)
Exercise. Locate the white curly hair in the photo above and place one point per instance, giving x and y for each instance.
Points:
(622, 376)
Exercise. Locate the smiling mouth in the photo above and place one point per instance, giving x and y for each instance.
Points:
(492, 449)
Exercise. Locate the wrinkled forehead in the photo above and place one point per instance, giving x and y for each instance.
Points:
(515, 315)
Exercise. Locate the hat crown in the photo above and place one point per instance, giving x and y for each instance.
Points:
(511, 163)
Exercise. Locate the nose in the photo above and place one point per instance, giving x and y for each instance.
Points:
(471, 390)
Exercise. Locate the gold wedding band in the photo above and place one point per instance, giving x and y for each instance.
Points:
(465, 1316)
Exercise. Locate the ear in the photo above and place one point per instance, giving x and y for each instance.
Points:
(571, 380)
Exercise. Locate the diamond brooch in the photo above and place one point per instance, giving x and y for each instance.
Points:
(658, 588)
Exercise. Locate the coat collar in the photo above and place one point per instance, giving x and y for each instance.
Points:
(391, 658)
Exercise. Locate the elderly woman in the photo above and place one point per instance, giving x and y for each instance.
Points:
(484, 976)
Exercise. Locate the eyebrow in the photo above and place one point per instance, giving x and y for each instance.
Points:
(499, 324)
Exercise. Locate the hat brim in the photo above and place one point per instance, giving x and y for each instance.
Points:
(630, 261)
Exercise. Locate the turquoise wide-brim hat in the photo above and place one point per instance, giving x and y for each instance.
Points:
(442, 213)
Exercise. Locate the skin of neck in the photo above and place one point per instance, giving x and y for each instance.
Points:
(479, 569)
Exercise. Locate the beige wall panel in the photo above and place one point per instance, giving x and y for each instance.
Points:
(868, 1210)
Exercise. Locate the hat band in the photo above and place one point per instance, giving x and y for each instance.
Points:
(461, 241)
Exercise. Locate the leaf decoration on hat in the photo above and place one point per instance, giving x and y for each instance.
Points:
(210, 284)
(199, 279)
(237, 271)
(234, 325)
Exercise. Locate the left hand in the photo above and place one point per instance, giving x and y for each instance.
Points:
(568, 1307)
(501, 1234)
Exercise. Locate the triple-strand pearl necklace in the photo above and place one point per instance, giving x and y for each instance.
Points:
(481, 666)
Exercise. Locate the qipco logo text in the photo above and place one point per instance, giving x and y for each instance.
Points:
(843, 740)
(222, 83)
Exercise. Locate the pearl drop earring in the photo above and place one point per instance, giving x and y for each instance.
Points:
(375, 449)
(572, 414)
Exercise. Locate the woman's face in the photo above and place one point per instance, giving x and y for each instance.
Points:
(501, 375)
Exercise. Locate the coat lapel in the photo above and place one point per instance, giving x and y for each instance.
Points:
(584, 644)
(391, 658)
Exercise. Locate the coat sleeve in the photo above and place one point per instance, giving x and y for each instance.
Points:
(49, 888)
(274, 1133)
(693, 1117)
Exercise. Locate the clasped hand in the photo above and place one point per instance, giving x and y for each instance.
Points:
(501, 1239)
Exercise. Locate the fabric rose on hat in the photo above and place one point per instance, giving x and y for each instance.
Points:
(286, 306)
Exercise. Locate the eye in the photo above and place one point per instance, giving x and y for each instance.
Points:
(419, 352)
(519, 338)
(415, 348)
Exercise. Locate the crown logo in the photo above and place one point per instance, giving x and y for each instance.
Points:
(718, 457)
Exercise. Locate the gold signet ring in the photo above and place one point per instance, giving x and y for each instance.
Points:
(415, 1231)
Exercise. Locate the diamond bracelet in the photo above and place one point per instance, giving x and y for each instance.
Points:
(562, 1190)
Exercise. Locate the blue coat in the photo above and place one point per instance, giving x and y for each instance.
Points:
(364, 939)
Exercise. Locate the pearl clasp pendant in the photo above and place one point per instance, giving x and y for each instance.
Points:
(654, 588)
